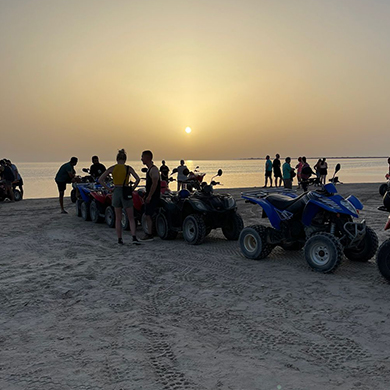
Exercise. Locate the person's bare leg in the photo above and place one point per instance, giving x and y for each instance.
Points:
(61, 198)
(118, 222)
(130, 215)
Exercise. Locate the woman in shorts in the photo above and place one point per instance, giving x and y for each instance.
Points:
(121, 177)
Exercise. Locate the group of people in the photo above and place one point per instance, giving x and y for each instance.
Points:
(11, 178)
(121, 174)
(285, 173)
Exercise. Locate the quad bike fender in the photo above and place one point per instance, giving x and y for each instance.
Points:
(355, 202)
(314, 206)
(268, 209)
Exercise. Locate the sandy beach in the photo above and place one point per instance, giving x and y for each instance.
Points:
(79, 311)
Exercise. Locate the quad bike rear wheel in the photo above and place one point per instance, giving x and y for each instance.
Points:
(125, 220)
(366, 248)
(253, 242)
(323, 252)
(383, 259)
(94, 212)
(162, 228)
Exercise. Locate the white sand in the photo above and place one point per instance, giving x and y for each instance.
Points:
(79, 311)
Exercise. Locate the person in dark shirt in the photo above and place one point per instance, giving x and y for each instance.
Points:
(277, 171)
(65, 175)
(164, 170)
(152, 195)
(96, 169)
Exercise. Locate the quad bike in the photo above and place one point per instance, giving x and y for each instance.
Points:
(100, 208)
(383, 255)
(197, 214)
(319, 221)
(78, 182)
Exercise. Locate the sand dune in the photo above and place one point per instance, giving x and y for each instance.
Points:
(79, 311)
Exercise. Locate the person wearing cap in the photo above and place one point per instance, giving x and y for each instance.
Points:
(65, 175)
(96, 169)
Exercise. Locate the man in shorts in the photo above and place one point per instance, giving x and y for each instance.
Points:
(152, 195)
(65, 175)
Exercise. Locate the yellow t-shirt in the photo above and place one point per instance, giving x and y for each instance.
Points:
(119, 173)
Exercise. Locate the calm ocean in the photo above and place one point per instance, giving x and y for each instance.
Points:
(39, 177)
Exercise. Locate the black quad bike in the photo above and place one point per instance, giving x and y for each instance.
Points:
(197, 214)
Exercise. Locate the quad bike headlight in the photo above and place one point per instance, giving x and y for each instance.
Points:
(199, 205)
(349, 206)
(230, 202)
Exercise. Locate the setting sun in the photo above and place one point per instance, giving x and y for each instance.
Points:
(188, 130)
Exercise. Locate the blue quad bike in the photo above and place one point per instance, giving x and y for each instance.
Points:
(319, 221)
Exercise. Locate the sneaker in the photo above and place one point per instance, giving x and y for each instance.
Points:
(136, 241)
(64, 212)
(120, 241)
(147, 237)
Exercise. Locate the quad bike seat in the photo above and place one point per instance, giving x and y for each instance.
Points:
(284, 202)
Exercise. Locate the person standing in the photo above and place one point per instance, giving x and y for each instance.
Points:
(298, 167)
(121, 177)
(96, 169)
(268, 171)
(306, 172)
(181, 176)
(152, 195)
(65, 175)
(323, 171)
(287, 179)
(277, 171)
(164, 170)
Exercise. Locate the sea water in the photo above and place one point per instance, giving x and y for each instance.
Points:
(39, 177)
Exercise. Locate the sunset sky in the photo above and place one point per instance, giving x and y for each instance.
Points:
(249, 77)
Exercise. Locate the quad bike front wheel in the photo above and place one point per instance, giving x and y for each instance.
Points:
(78, 207)
(94, 212)
(194, 229)
(233, 227)
(323, 252)
(253, 242)
(17, 195)
(73, 195)
(162, 228)
(366, 248)
(383, 189)
(383, 259)
(109, 216)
